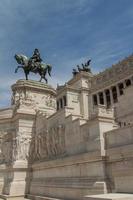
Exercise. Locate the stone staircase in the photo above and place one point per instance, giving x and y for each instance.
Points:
(31, 197)
(110, 196)
(6, 197)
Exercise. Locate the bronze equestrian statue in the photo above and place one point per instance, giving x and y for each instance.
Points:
(33, 64)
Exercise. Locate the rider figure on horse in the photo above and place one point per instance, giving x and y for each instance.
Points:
(35, 60)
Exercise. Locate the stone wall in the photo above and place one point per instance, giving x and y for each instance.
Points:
(124, 107)
(69, 177)
(69, 156)
(119, 151)
(119, 145)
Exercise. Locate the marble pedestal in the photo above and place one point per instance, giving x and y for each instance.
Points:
(29, 98)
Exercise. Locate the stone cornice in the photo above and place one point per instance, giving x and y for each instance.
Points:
(70, 160)
(34, 85)
(6, 113)
(69, 88)
(24, 115)
(79, 76)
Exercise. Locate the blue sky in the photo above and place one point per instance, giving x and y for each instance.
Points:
(67, 33)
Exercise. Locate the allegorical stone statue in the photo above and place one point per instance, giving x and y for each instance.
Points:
(33, 64)
(85, 67)
(75, 72)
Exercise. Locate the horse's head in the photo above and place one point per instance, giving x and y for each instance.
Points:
(21, 59)
(18, 58)
(49, 69)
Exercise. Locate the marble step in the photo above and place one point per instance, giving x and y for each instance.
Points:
(7, 197)
(32, 197)
(110, 196)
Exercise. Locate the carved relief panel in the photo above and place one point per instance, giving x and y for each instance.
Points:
(48, 143)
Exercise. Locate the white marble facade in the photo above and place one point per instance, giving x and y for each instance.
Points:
(70, 142)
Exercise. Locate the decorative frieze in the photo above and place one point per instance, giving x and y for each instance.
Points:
(50, 101)
(21, 144)
(34, 96)
(48, 143)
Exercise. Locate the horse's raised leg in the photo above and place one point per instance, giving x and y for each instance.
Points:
(16, 70)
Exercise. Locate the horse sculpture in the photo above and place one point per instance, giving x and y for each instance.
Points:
(41, 68)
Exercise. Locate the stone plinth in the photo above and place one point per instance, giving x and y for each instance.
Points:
(32, 95)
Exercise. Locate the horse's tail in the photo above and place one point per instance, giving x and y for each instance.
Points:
(49, 69)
